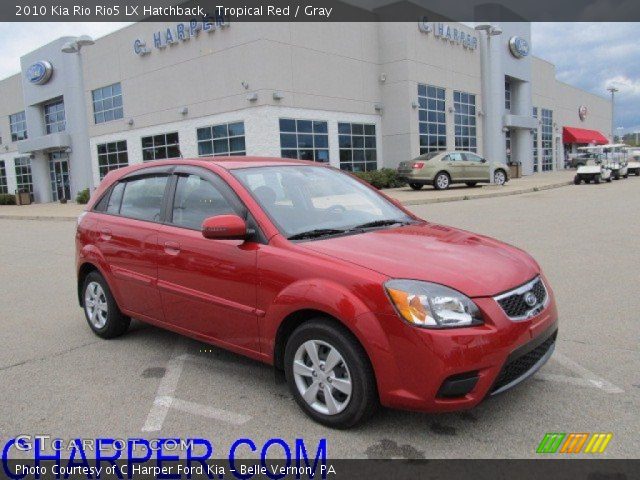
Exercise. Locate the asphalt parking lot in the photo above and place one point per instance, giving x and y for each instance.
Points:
(58, 378)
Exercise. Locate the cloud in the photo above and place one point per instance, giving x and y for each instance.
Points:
(593, 56)
(18, 39)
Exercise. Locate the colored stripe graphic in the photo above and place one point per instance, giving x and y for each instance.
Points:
(574, 442)
(598, 442)
(550, 443)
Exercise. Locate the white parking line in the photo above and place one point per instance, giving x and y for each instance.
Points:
(166, 400)
(586, 377)
(202, 410)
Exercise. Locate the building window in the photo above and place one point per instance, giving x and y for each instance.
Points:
(157, 147)
(107, 103)
(3, 178)
(357, 143)
(536, 153)
(547, 140)
(431, 119)
(222, 140)
(54, 119)
(465, 121)
(24, 181)
(111, 156)
(507, 137)
(304, 139)
(18, 126)
(507, 95)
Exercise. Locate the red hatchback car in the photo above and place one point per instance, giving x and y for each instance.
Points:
(305, 267)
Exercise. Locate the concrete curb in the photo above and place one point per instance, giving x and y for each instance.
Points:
(458, 198)
(424, 201)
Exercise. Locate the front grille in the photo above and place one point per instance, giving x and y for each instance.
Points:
(514, 305)
(520, 365)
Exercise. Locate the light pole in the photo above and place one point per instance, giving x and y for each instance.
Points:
(613, 91)
(75, 112)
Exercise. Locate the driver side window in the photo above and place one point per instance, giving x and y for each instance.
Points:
(195, 200)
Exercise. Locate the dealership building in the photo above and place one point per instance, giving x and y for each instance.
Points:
(359, 96)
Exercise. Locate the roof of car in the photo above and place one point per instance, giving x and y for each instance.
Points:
(234, 162)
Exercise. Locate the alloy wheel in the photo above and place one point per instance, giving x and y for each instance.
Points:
(322, 377)
(95, 305)
(499, 177)
(442, 181)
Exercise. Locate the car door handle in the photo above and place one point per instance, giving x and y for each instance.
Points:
(105, 234)
(172, 248)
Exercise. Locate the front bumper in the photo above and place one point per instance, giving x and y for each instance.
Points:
(414, 370)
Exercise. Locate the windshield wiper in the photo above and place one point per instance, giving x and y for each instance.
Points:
(318, 232)
(381, 223)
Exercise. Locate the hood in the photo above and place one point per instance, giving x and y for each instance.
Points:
(475, 265)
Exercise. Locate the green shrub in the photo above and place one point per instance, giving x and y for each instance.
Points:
(83, 196)
(383, 178)
(7, 199)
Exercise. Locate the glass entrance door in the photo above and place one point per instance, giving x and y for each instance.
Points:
(59, 172)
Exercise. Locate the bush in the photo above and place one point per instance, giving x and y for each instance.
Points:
(383, 178)
(83, 196)
(7, 199)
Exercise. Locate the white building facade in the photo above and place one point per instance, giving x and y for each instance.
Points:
(359, 96)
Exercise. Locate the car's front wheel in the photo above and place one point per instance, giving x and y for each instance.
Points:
(329, 374)
(100, 308)
(499, 177)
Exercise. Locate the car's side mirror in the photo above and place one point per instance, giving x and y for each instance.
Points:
(224, 227)
(483, 160)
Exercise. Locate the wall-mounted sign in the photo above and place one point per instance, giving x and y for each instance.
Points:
(179, 33)
(40, 72)
(447, 32)
(582, 112)
(518, 47)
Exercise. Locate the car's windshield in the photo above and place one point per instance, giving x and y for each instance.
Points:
(301, 199)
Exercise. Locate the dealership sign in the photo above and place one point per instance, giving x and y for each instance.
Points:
(518, 47)
(39, 73)
(447, 32)
(179, 33)
(582, 112)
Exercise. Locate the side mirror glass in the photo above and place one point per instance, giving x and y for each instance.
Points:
(483, 160)
(224, 227)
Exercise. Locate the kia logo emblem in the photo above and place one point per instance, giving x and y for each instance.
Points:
(530, 299)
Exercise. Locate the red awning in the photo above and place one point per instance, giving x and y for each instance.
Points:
(582, 135)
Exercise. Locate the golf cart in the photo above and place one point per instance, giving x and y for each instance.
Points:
(593, 170)
(633, 164)
(615, 158)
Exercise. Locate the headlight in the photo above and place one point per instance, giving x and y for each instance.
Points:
(430, 305)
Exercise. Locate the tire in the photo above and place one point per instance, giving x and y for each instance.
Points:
(596, 179)
(471, 184)
(416, 186)
(616, 176)
(109, 323)
(626, 175)
(576, 180)
(442, 181)
(609, 180)
(323, 336)
(499, 177)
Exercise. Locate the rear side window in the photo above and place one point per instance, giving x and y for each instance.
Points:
(195, 200)
(113, 207)
(142, 198)
(455, 157)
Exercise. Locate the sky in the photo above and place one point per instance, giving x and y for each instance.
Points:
(591, 56)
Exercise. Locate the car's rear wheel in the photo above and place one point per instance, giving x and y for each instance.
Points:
(329, 374)
(442, 181)
(416, 186)
(499, 177)
(100, 308)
